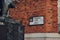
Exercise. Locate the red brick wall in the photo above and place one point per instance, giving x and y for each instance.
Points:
(29, 8)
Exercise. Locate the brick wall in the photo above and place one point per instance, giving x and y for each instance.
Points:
(29, 8)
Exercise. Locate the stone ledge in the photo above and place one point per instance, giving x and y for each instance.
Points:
(42, 35)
